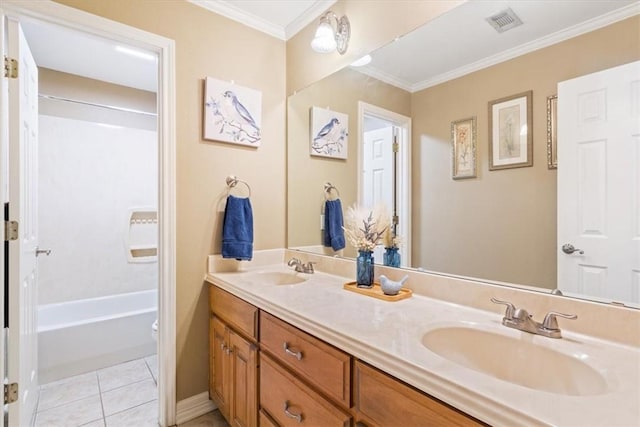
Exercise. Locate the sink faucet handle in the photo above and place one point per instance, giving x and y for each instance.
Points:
(309, 267)
(550, 322)
(294, 261)
(508, 314)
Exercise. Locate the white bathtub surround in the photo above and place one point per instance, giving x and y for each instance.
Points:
(389, 336)
(90, 177)
(86, 335)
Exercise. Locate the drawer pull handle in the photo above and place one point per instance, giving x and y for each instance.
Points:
(297, 417)
(296, 354)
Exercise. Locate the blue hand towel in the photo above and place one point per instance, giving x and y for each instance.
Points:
(333, 222)
(237, 229)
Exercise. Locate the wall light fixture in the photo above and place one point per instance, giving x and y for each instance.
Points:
(332, 34)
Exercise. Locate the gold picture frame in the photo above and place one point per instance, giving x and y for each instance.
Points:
(463, 148)
(511, 132)
(552, 132)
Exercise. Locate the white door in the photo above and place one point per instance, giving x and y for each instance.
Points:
(23, 144)
(599, 184)
(377, 173)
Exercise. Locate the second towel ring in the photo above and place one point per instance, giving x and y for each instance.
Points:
(233, 180)
(327, 191)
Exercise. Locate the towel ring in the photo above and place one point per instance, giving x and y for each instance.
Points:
(327, 191)
(233, 180)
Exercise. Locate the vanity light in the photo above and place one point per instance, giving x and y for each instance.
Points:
(328, 38)
(362, 61)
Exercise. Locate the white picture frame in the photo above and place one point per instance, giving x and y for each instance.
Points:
(232, 113)
(329, 133)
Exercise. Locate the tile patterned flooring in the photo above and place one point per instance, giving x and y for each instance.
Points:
(121, 395)
(124, 395)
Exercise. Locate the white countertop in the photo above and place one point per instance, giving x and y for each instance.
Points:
(388, 335)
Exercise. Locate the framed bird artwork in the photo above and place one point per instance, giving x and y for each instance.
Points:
(329, 134)
(232, 113)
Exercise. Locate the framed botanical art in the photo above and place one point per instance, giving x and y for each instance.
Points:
(510, 132)
(329, 133)
(232, 113)
(463, 148)
(552, 132)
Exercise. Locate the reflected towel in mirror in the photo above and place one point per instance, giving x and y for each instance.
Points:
(333, 232)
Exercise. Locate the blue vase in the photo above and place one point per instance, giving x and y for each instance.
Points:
(364, 269)
(391, 257)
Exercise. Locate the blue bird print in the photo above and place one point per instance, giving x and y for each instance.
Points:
(328, 130)
(238, 112)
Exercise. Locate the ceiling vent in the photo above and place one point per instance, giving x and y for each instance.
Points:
(505, 20)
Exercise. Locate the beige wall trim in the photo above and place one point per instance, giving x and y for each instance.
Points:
(194, 406)
(54, 13)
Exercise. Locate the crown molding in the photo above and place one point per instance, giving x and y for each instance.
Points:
(557, 37)
(384, 77)
(232, 12)
(307, 17)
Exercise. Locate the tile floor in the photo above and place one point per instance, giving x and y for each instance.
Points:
(118, 396)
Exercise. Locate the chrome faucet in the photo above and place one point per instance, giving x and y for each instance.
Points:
(519, 318)
(300, 267)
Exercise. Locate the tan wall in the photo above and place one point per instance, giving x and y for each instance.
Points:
(374, 23)
(210, 45)
(502, 225)
(339, 92)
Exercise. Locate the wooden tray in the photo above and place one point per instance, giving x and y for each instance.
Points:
(376, 292)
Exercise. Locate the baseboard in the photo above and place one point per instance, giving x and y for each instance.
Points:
(192, 407)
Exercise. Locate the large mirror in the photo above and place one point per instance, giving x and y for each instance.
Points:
(500, 225)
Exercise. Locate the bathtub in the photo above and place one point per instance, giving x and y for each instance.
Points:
(84, 335)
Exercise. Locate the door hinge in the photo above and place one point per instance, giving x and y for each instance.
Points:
(10, 230)
(10, 68)
(396, 147)
(395, 220)
(10, 393)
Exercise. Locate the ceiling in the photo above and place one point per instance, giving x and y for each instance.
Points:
(407, 63)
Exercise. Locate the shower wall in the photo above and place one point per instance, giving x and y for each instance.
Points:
(95, 166)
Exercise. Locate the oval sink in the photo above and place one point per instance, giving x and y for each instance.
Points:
(279, 277)
(518, 361)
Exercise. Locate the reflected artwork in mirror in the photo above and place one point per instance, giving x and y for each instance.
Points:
(502, 225)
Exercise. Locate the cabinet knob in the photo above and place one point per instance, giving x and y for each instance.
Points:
(297, 417)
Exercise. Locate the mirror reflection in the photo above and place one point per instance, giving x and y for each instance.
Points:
(500, 225)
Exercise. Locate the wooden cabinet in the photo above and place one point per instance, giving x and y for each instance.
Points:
(233, 382)
(323, 367)
(301, 379)
(381, 400)
(289, 401)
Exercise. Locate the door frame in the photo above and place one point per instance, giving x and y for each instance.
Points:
(55, 13)
(404, 162)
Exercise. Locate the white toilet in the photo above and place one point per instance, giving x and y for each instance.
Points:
(154, 330)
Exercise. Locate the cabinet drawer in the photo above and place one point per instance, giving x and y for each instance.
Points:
(285, 398)
(239, 314)
(381, 400)
(322, 365)
(265, 420)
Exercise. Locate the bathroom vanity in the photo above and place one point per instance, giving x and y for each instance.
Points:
(302, 377)
(288, 347)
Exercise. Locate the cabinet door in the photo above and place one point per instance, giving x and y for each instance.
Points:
(244, 381)
(382, 400)
(219, 381)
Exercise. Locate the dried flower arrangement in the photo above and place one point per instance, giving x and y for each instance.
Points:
(391, 239)
(364, 227)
